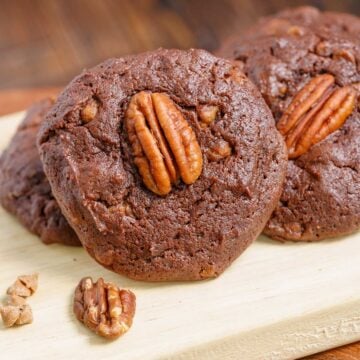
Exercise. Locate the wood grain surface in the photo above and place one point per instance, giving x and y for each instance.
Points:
(349, 352)
(46, 42)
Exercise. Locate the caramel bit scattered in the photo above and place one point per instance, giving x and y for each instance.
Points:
(90, 110)
(207, 114)
(316, 111)
(17, 311)
(18, 288)
(104, 308)
(163, 143)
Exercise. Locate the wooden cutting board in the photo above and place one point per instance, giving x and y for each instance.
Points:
(277, 301)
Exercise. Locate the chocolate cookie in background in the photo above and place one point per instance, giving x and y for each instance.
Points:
(306, 64)
(24, 189)
(161, 164)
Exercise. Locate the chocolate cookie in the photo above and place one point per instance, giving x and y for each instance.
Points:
(162, 165)
(24, 189)
(307, 66)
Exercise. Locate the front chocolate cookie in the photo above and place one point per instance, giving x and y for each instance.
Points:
(306, 65)
(162, 165)
(24, 189)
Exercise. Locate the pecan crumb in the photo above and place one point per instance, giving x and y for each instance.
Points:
(323, 48)
(16, 315)
(15, 300)
(90, 110)
(19, 289)
(207, 114)
(317, 110)
(24, 286)
(296, 30)
(104, 308)
(220, 150)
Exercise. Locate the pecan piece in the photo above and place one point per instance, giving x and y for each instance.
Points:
(207, 114)
(220, 150)
(15, 300)
(296, 30)
(316, 111)
(345, 54)
(25, 285)
(104, 308)
(16, 315)
(163, 143)
(90, 110)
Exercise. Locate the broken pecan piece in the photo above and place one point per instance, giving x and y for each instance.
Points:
(15, 300)
(16, 315)
(207, 114)
(163, 143)
(220, 150)
(25, 285)
(90, 110)
(104, 308)
(315, 112)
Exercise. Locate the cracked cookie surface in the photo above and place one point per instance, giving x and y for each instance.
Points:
(24, 189)
(171, 174)
(281, 54)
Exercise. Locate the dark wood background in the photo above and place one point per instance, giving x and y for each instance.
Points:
(44, 43)
(47, 42)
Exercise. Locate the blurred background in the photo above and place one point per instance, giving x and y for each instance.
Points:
(46, 42)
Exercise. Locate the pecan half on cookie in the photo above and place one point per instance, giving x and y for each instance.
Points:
(315, 112)
(104, 308)
(163, 142)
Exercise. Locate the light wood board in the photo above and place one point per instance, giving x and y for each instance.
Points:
(277, 301)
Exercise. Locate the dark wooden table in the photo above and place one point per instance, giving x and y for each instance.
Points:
(44, 43)
(47, 42)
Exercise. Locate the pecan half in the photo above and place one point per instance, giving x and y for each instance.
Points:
(163, 143)
(104, 308)
(315, 112)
